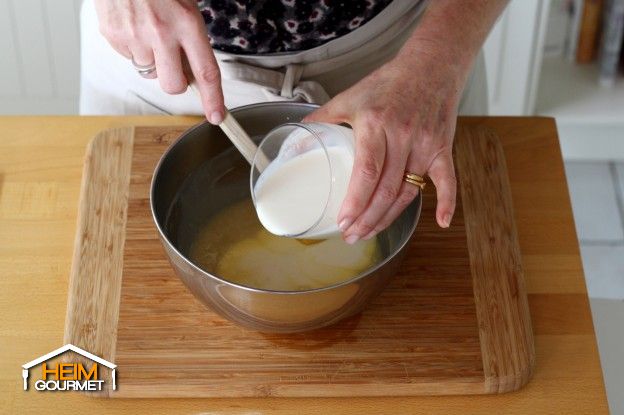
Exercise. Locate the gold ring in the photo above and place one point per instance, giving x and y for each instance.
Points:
(414, 179)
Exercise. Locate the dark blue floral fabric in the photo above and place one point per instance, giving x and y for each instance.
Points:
(272, 26)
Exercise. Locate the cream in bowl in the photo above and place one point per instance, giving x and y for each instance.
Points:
(235, 246)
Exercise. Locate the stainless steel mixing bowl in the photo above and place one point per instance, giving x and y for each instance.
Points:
(200, 174)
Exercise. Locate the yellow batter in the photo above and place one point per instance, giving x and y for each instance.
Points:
(235, 246)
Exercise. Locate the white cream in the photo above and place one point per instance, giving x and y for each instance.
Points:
(291, 196)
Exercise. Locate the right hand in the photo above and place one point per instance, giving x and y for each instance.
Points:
(167, 33)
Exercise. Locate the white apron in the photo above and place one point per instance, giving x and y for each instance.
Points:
(111, 86)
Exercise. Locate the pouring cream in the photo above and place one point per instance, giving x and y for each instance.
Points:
(301, 191)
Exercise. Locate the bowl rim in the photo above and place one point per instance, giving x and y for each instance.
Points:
(205, 274)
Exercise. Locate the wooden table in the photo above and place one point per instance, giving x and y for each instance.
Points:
(40, 169)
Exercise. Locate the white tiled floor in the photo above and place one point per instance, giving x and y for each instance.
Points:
(604, 270)
(597, 193)
(594, 201)
(609, 326)
(619, 176)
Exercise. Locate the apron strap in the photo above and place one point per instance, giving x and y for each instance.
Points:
(291, 78)
(277, 84)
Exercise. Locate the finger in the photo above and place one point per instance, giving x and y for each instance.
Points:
(143, 56)
(407, 193)
(122, 49)
(370, 151)
(442, 174)
(367, 223)
(207, 75)
(169, 67)
(334, 112)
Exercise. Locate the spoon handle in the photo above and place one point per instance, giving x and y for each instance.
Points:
(239, 138)
(242, 142)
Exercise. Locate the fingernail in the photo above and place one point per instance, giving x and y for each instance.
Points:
(446, 221)
(351, 239)
(344, 224)
(216, 118)
(370, 235)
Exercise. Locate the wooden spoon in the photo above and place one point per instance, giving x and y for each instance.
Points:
(241, 140)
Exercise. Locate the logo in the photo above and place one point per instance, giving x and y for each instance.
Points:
(65, 376)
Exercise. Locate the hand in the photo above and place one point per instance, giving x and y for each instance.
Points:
(167, 33)
(404, 117)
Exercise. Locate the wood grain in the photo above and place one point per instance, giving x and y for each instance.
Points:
(424, 335)
(238, 136)
(95, 278)
(495, 261)
(41, 163)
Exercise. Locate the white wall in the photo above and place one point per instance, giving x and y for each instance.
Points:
(511, 57)
(39, 56)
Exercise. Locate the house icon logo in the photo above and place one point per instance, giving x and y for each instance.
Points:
(69, 376)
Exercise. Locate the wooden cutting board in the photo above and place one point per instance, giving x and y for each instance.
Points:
(454, 320)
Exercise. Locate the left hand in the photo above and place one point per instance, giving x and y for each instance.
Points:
(403, 116)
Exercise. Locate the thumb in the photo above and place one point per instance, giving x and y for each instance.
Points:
(442, 174)
(333, 112)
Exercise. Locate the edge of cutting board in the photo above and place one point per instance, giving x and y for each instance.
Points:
(505, 334)
(95, 286)
(495, 282)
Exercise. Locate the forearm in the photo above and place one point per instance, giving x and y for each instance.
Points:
(452, 31)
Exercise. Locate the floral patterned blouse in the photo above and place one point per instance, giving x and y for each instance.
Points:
(273, 26)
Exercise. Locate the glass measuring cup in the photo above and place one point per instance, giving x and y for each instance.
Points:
(299, 178)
